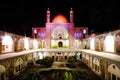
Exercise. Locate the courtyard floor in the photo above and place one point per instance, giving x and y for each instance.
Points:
(62, 65)
(79, 66)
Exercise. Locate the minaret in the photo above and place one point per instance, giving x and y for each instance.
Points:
(71, 15)
(48, 16)
(47, 40)
(71, 39)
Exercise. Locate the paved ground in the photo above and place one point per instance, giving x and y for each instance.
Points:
(79, 66)
(62, 65)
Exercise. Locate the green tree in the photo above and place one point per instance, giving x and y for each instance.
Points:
(53, 76)
(71, 59)
(66, 77)
(70, 76)
(46, 62)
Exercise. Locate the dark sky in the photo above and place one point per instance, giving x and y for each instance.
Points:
(20, 16)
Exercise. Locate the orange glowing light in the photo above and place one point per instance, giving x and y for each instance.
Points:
(59, 19)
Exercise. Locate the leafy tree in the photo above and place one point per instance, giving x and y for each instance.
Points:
(70, 76)
(71, 59)
(53, 76)
(46, 62)
(66, 75)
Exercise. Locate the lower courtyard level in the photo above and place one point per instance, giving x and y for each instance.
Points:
(59, 68)
(103, 64)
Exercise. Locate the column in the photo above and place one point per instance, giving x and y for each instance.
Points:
(0, 45)
(63, 57)
(68, 55)
(106, 70)
(55, 56)
(14, 72)
(7, 69)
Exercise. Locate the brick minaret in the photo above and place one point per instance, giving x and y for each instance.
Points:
(71, 34)
(48, 29)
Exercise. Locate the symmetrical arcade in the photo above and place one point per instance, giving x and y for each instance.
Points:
(60, 40)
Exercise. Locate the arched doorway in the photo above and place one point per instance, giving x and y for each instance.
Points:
(96, 65)
(60, 44)
(19, 65)
(109, 43)
(7, 44)
(114, 72)
(79, 56)
(2, 72)
(59, 37)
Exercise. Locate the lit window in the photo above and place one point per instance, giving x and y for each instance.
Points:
(35, 31)
(84, 31)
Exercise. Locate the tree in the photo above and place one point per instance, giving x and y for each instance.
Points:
(70, 76)
(46, 62)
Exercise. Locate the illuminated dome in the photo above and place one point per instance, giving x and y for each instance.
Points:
(59, 19)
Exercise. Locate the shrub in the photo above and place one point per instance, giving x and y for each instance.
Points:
(46, 62)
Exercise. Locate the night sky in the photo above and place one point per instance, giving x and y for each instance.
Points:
(20, 16)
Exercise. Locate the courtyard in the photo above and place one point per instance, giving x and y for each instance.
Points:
(58, 67)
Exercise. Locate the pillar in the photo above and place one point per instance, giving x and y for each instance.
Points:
(0, 45)
(106, 70)
(14, 72)
(63, 56)
(71, 35)
(55, 56)
(48, 30)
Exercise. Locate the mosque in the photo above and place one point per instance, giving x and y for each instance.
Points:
(60, 40)
(60, 33)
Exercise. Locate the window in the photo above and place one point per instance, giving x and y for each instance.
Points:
(35, 31)
(84, 31)
(113, 77)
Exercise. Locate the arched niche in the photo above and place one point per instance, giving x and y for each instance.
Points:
(40, 55)
(84, 44)
(59, 32)
(43, 43)
(114, 71)
(97, 44)
(23, 44)
(20, 44)
(46, 54)
(35, 44)
(117, 43)
(109, 43)
(2, 69)
(60, 44)
(19, 65)
(96, 65)
(92, 43)
(79, 56)
(77, 44)
(7, 44)
(2, 72)
(71, 54)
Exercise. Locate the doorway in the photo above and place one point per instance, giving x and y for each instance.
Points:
(60, 44)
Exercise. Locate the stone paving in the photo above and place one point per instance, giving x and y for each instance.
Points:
(79, 66)
(62, 65)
